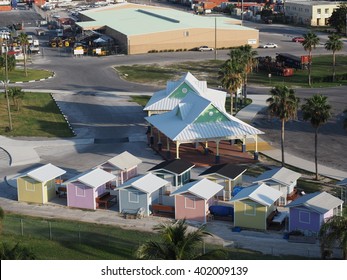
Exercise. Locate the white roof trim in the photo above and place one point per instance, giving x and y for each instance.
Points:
(46, 173)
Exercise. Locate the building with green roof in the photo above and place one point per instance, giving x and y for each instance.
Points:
(142, 28)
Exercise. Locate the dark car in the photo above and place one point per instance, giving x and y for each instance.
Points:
(298, 39)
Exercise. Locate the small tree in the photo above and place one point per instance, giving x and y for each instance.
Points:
(248, 55)
(334, 232)
(17, 94)
(310, 43)
(283, 104)
(231, 79)
(177, 243)
(334, 44)
(317, 111)
(23, 38)
(338, 18)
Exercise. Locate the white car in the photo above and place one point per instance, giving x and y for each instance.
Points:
(205, 48)
(269, 45)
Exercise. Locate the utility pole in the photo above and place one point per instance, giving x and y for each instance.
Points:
(215, 38)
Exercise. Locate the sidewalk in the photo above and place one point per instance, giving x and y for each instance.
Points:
(22, 152)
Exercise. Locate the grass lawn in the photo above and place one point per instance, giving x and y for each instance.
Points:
(208, 70)
(72, 240)
(38, 116)
(18, 75)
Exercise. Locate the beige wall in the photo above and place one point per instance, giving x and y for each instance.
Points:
(189, 39)
(313, 15)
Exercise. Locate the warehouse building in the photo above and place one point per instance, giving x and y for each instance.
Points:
(140, 29)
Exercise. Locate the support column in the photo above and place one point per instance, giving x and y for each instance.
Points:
(168, 153)
(244, 145)
(206, 148)
(256, 154)
(151, 137)
(217, 152)
(160, 145)
(178, 149)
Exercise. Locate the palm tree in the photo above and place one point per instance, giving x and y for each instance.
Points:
(177, 244)
(334, 232)
(230, 74)
(317, 111)
(334, 44)
(283, 104)
(249, 56)
(17, 95)
(23, 39)
(310, 43)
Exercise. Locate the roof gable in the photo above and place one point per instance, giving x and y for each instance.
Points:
(181, 91)
(211, 114)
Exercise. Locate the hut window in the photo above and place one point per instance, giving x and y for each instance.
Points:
(189, 202)
(29, 187)
(80, 191)
(250, 209)
(133, 197)
(304, 217)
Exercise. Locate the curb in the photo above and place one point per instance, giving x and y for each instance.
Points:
(64, 116)
(33, 81)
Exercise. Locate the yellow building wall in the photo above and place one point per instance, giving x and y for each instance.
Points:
(49, 191)
(29, 190)
(245, 217)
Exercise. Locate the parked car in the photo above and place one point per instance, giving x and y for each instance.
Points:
(269, 45)
(298, 39)
(205, 48)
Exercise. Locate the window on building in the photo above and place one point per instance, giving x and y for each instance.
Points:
(319, 11)
(250, 209)
(133, 197)
(189, 202)
(80, 191)
(326, 11)
(29, 187)
(304, 217)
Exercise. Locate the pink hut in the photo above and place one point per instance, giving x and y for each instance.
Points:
(192, 200)
(85, 190)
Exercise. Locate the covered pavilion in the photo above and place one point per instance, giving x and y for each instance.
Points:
(196, 119)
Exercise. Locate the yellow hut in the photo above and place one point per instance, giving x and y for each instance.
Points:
(38, 185)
